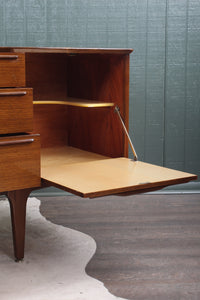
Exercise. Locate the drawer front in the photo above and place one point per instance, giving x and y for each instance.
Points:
(12, 70)
(19, 162)
(16, 110)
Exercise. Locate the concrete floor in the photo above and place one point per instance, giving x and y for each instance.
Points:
(148, 246)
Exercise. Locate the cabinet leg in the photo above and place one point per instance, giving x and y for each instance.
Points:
(18, 200)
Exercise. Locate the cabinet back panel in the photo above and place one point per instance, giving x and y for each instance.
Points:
(46, 73)
(50, 122)
(103, 78)
(92, 129)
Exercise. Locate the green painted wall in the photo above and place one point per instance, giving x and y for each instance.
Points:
(164, 69)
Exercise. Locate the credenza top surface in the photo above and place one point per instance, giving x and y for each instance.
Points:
(67, 50)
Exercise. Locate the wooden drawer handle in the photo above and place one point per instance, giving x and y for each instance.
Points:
(16, 142)
(2, 94)
(9, 56)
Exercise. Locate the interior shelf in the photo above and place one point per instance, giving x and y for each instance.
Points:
(76, 102)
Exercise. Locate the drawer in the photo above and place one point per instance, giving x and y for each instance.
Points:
(19, 162)
(12, 70)
(16, 110)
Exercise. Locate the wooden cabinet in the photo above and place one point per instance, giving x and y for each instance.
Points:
(75, 93)
(84, 147)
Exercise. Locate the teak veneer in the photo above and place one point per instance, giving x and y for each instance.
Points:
(58, 127)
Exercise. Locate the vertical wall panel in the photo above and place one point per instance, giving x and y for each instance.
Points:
(117, 24)
(2, 23)
(15, 27)
(57, 20)
(35, 16)
(192, 136)
(137, 31)
(97, 24)
(155, 66)
(164, 67)
(176, 34)
(77, 23)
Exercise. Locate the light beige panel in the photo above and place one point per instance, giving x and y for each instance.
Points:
(92, 177)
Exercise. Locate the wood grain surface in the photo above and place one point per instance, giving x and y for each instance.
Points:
(72, 50)
(99, 78)
(16, 113)
(20, 162)
(12, 69)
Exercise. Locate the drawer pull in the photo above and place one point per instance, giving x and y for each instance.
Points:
(2, 94)
(16, 142)
(8, 56)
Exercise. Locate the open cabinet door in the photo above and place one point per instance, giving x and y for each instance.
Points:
(93, 176)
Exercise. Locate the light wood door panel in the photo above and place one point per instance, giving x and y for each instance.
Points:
(100, 177)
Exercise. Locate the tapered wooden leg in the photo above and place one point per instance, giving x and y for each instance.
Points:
(18, 200)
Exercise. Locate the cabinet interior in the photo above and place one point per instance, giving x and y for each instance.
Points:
(79, 80)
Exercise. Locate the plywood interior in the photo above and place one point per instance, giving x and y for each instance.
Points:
(89, 175)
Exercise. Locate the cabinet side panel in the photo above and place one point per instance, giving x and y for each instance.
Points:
(126, 101)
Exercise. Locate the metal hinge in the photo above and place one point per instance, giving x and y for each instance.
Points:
(117, 110)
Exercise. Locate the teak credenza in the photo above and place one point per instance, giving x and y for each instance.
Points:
(59, 126)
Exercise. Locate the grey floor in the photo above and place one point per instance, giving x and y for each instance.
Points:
(148, 246)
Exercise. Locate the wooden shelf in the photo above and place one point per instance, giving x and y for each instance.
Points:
(75, 102)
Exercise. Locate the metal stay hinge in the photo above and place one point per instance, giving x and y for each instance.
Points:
(117, 110)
